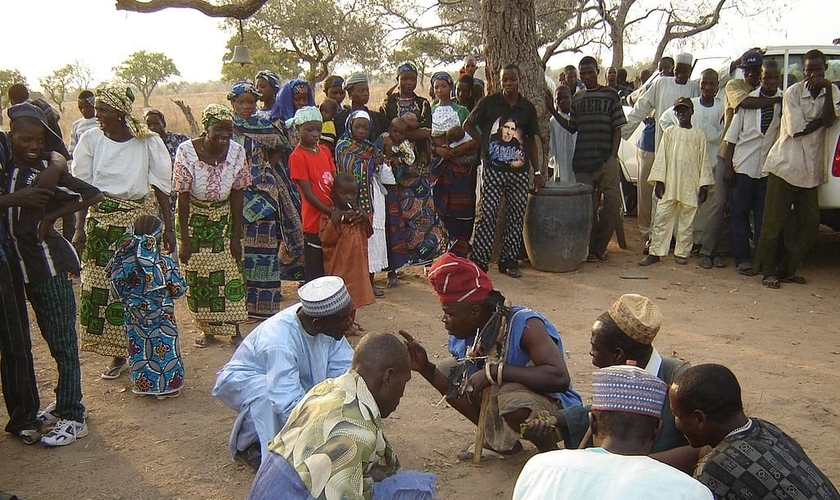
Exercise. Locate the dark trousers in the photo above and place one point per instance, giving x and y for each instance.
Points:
(55, 309)
(746, 195)
(17, 369)
(604, 181)
(495, 186)
(772, 258)
(314, 256)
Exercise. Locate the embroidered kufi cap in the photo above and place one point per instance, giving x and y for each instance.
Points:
(637, 316)
(324, 297)
(628, 389)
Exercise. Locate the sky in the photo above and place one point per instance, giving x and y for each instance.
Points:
(94, 32)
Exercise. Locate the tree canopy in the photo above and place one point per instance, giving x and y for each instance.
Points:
(318, 33)
(8, 77)
(57, 84)
(145, 71)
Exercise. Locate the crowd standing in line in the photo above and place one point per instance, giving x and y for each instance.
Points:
(277, 188)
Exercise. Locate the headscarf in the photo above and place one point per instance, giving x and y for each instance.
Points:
(155, 112)
(214, 113)
(406, 67)
(304, 115)
(442, 75)
(121, 99)
(243, 87)
(333, 81)
(284, 107)
(271, 77)
(89, 99)
(359, 113)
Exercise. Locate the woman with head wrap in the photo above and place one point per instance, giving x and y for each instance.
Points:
(294, 95)
(415, 232)
(268, 86)
(453, 165)
(210, 177)
(122, 158)
(356, 155)
(273, 235)
(334, 89)
(148, 281)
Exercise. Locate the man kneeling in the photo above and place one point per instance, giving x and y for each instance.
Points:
(280, 360)
(333, 448)
(532, 374)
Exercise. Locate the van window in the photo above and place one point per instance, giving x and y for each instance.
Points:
(794, 69)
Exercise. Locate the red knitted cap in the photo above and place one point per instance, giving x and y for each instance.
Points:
(456, 279)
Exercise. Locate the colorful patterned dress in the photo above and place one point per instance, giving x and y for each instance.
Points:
(416, 234)
(216, 295)
(273, 246)
(148, 282)
(359, 159)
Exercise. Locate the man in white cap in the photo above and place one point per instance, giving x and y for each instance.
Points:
(661, 96)
(626, 407)
(280, 360)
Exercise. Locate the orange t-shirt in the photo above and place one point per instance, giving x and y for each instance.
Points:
(318, 170)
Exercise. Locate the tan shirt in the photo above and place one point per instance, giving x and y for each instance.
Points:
(800, 161)
(735, 93)
(682, 164)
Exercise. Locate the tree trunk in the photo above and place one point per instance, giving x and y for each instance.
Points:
(509, 33)
(617, 36)
(194, 130)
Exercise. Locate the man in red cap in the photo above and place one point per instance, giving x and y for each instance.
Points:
(531, 374)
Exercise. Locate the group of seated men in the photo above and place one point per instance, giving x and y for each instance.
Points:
(310, 407)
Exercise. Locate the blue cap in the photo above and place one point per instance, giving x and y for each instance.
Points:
(751, 59)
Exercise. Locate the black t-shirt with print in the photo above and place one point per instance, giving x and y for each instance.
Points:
(505, 130)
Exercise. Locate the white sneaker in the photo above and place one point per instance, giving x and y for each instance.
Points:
(47, 417)
(65, 432)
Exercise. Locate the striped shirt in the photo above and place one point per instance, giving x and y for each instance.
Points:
(41, 261)
(596, 113)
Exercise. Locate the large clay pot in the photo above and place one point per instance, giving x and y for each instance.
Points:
(558, 220)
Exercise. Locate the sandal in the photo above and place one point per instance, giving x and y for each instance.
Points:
(29, 436)
(393, 282)
(747, 271)
(378, 292)
(468, 452)
(511, 270)
(799, 280)
(201, 340)
(771, 282)
(113, 372)
(359, 328)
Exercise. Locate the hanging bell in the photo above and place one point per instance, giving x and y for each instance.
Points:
(240, 55)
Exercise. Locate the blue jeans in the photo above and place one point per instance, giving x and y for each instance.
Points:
(745, 195)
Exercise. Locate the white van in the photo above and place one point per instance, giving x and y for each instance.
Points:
(789, 59)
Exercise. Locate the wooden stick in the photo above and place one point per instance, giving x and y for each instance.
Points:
(585, 439)
(479, 431)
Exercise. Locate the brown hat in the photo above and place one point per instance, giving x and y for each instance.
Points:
(637, 316)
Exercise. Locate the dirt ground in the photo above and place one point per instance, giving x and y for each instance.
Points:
(784, 346)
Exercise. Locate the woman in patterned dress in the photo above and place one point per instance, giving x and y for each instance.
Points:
(210, 177)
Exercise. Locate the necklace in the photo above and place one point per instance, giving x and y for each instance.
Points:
(313, 150)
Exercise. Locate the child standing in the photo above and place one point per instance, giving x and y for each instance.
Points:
(312, 169)
(148, 281)
(46, 259)
(356, 155)
(562, 142)
(681, 176)
(344, 239)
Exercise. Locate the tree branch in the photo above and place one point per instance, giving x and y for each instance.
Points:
(240, 10)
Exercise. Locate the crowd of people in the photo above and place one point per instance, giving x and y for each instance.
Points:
(277, 188)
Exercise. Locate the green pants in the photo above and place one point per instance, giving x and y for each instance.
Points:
(773, 257)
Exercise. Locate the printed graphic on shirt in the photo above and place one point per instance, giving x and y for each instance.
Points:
(505, 148)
